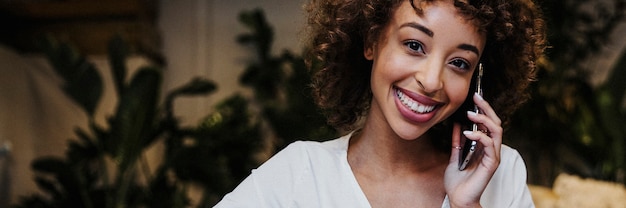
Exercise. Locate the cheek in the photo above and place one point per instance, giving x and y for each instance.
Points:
(391, 70)
(457, 91)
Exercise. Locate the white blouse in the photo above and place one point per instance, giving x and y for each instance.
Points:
(317, 174)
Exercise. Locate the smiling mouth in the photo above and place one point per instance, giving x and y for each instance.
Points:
(414, 105)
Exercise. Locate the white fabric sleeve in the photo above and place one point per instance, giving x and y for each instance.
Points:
(521, 197)
(508, 187)
(273, 183)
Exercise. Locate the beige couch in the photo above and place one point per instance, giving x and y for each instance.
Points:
(571, 191)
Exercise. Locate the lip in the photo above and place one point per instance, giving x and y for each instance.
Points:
(410, 114)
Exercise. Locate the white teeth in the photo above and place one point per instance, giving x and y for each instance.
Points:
(414, 105)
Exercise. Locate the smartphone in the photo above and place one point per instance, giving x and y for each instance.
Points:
(469, 146)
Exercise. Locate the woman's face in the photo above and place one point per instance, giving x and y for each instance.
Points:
(422, 67)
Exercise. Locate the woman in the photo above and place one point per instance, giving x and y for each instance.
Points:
(398, 74)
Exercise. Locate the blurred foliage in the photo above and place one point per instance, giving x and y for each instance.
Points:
(217, 154)
(570, 125)
(281, 86)
(82, 179)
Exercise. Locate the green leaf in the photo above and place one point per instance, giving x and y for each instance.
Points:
(118, 52)
(134, 119)
(50, 165)
(262, 33)
(49, 187)
(82, 83)
(197, 86)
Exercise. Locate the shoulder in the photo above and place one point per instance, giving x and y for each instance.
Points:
(298, 158)
(511, 167)
(271, 184)
(301, 151)
(511, 162)
(288, 176)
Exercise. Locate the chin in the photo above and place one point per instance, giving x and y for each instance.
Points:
(410, 133)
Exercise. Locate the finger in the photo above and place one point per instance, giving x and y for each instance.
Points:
(456, 143)
(493, 131)
(486, 108)
(490, 156)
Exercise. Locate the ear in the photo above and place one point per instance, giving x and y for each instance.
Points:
(368, 51)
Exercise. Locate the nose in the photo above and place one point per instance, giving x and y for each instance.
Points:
(429, 77)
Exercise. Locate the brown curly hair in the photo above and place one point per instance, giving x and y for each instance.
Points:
(339, 30)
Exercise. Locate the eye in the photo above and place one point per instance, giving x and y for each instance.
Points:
(414, 46)
(461, 64)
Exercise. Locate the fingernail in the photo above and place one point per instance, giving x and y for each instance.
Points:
(468, 132)
(479, 96)
(471, 113)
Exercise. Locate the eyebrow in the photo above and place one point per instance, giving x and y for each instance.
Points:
(469, 47)
(430, 33)
(419, 27)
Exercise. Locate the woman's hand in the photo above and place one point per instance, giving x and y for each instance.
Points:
(464, 188)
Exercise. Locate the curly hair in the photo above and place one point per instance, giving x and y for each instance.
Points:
(339, 30)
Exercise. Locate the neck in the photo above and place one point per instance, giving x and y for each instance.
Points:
(382, 150)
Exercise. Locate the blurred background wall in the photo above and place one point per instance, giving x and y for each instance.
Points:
(199, 40)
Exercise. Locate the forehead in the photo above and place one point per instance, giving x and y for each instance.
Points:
(419, 6)
(440, 12)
